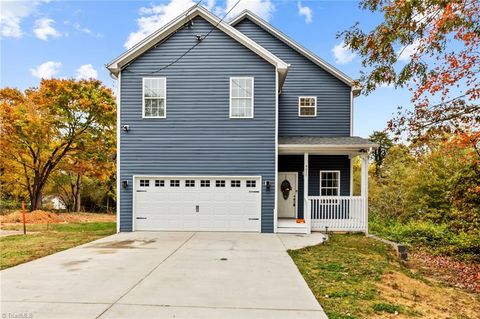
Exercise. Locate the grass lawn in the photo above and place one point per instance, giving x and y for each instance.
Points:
(17, 249)
(353, 276)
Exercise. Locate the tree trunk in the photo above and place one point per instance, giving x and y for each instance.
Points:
(78, 185)
(36, 200)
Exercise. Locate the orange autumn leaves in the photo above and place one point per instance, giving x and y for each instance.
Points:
(44, 128)
(442, 70)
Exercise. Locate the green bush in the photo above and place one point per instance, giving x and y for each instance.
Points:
(436, 238)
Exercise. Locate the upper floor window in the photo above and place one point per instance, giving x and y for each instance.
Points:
(154, 97)
(307, 106)
(241, 97)
(329, 183)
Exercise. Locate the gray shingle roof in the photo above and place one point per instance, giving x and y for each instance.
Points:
(327, 141)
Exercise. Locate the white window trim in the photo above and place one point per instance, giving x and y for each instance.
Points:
(338, 187)
(299, 106)
(165, 97)
(253, 96)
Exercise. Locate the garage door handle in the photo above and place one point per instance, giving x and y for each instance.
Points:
(253, 219)
(141, 218)
(254, 191)
(139, 191)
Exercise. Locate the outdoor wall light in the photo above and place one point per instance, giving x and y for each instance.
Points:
(126, 128)
(125, 183)
(267, 185)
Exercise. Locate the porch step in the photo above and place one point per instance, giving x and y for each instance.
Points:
(292, 230)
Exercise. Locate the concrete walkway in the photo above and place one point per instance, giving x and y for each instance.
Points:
(165, 275)
(4, 233)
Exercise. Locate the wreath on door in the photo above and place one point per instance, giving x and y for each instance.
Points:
(285, 187)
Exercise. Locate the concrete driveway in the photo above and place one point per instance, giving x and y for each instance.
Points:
(164, 275)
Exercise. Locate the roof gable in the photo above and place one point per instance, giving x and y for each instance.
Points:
(246, 14)
(124, 59)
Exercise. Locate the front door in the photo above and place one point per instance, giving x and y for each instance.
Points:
(287, 195)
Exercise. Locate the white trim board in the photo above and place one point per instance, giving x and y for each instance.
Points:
(124, 59)
(294, 45)
(119, 182)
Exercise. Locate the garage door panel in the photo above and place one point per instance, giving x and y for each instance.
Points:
(205, 205)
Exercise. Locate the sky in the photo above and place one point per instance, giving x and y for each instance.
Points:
(75, 39)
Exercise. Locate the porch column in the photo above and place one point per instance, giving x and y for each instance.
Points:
(306, 206)
(364, 187)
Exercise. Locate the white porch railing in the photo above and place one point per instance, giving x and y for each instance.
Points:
(337, 213)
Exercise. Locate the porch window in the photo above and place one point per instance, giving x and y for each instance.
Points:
(307, 106)
(329, 183)
(154, 97)
(241, 97)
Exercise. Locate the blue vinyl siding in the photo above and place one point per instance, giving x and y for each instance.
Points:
(317, 163)
(197, 137)
(305, 79)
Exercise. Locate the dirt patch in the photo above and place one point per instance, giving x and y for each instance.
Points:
(426, 299)
(45, 217)
(124, 244)
(453, 272)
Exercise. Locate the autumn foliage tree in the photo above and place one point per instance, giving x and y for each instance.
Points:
(442, 39)
(42, 127)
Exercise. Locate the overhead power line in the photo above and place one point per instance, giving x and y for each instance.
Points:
(200, 39)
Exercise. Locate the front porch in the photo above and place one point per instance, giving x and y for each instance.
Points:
(315, 185)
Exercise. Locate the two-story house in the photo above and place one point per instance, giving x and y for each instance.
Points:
(234, 127)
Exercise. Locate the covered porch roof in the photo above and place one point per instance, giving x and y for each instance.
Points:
(335, 145)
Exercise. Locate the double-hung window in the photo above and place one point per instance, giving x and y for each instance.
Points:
(154, 97)
(307, 106)
(329, 183)
(241, 97)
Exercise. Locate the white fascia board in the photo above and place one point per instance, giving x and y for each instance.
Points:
(297, 47)
(116, 65)
(323, 147)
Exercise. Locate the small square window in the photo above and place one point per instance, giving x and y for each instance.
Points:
(174, 183)
(219, 183)
(189, 183)
(307, 106)
(235, 183)
(205, 183)
(252, 183)
(159, 183)
(329, 183)
(144, 183)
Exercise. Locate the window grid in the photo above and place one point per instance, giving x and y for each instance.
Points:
(251, 183)
(144, 183)
(219, 183)
(307, 106)
(154, 97)
(241, 97)
(174, 183)
(204, 183)
(159, 183)
(329, 183)
(235, 183)
(190, 183)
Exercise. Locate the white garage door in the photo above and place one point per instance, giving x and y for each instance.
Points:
(197, 203)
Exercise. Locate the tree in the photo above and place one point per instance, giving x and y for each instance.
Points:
(42, 126)
(442, 39)
(384, 143)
